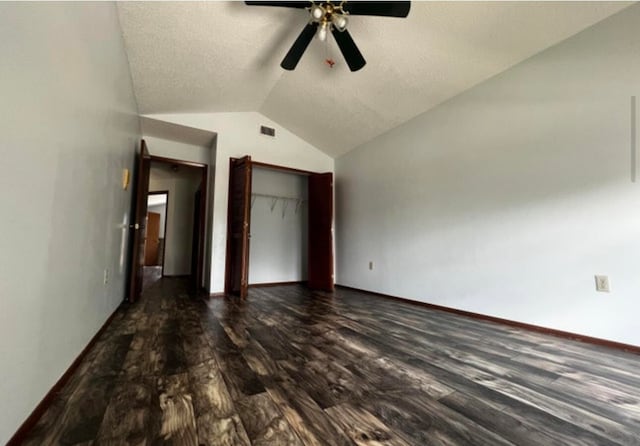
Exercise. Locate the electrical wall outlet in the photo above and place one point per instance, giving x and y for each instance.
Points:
(106, 276)
(602, 284)
(371, 265)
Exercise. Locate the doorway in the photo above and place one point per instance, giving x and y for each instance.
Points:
(157, 205)
(173, 246)
(279, 226)
(319, 258)
(182, 250)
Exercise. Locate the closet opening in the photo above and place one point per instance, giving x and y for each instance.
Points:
(279, 227)
(183, 226)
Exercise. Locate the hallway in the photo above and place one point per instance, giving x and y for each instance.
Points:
(290, 367)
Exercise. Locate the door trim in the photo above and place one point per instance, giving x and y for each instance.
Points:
(137, 224)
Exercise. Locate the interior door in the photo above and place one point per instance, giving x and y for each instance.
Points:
(153, 239)
(321, 231)
(238, 225)
(139, 224)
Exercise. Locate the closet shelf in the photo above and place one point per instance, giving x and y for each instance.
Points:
(274, 201)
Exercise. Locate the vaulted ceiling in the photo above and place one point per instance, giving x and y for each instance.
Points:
(225, 56)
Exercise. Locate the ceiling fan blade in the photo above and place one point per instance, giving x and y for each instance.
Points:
(300, 5)
(349, 49)
(299, 46)
(386, 9)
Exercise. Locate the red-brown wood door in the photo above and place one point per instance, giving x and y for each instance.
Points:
(321, 232)
(139, 225)
(153, 239)
(238, 226)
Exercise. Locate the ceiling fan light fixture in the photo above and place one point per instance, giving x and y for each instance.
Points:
(332, 15)
(340, 21)
(317, 12)
(322, 32)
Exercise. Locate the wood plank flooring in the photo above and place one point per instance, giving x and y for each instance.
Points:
(292, 367)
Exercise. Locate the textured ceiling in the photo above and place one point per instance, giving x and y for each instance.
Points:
(225, 56)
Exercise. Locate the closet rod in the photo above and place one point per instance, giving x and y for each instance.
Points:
(278, 197)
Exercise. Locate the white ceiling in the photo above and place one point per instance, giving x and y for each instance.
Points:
(225, 56)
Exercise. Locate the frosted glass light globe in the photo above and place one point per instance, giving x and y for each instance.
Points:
(317, 12)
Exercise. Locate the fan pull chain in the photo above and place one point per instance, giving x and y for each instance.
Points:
(328, 59)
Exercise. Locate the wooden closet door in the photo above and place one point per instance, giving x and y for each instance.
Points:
(238, 226)
(321, 231)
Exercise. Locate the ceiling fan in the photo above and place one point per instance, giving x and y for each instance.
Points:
(325, 16)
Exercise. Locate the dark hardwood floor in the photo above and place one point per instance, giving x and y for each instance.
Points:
(150, 275)
(291, 367)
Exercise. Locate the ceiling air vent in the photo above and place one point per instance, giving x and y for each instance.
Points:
(267, 131)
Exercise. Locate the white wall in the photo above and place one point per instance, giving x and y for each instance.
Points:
(177, 150)
(238, 135)
(178, 243)
(278, 248)
(507, 199)
(69, 127)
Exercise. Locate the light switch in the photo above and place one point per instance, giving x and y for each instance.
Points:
(602, 284)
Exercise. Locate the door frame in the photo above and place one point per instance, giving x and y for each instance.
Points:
(137, 224)
(166, 222)
(196, 239)
(203, 206)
